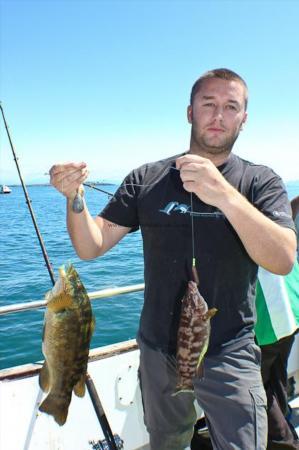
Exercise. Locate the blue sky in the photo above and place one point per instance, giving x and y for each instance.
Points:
(108, 82)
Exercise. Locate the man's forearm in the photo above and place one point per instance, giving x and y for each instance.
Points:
(86, 236)
(267, 243)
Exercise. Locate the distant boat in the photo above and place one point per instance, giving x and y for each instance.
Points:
(4, 189)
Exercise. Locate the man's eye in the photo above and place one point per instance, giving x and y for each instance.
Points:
(209, 104)
(231, 107)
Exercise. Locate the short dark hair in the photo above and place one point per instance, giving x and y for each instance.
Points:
(223, 74)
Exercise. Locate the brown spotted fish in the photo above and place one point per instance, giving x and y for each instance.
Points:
(193, 337)
(68, 328)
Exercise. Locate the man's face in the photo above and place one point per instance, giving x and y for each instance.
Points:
(217, 115)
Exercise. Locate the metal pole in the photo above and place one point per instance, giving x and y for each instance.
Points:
(100, 413)
(95, 401)
(104, 293)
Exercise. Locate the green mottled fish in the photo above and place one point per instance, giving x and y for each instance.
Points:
(193, 337)
(68, 328)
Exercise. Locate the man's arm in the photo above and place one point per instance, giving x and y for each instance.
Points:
(295, 206)
(270, 245)
(267, 243)
(91, 237)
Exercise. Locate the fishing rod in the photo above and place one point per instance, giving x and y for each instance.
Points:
(110, 441)
(92, 186)
(28, 201)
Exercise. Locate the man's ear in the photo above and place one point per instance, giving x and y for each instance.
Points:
(244, 120)
(190, 114)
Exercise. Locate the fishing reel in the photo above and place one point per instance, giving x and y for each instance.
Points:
(104, 444)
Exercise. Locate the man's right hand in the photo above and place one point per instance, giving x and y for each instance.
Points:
(67, 177)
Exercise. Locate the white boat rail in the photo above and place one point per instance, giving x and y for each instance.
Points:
(95, 295)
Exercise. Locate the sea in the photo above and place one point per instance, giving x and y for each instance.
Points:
(24, 276)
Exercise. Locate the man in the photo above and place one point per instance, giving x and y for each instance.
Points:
(241, 220)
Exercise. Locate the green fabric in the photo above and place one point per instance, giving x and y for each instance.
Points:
(292, 285)
(264, 332)
(278, 314)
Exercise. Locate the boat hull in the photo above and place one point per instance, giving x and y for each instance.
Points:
(113, 370)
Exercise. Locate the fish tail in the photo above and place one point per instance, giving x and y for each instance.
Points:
(56, 406)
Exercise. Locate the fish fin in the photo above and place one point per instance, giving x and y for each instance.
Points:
(44, 378)
(88, 329)
(199, 367)
(79, 387)
(55, 407)
(60, 302)
(210, 313)
(200, 371)
(92, 325)
(71, 273)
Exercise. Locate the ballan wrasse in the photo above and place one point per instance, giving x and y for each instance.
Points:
(193, 337)
(68, 328)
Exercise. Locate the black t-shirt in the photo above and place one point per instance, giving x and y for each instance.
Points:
(161, 208)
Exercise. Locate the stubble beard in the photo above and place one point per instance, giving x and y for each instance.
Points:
(201, 144)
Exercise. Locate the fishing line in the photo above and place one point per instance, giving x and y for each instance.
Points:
(194, 269)
(92, 186)
(166, 172)
(192, 214)
(110, 194)
(192, 229)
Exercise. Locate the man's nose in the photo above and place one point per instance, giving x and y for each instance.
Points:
(218, 112)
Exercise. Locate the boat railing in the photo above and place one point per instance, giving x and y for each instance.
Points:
(95, 295)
